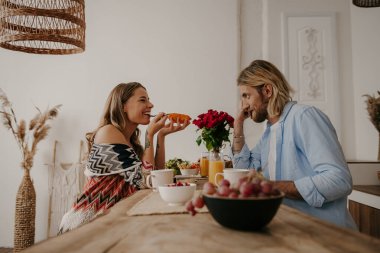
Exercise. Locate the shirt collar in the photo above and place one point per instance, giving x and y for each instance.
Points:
(284, 113)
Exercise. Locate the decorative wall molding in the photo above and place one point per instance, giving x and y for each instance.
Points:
(312, 62)
(310, 56)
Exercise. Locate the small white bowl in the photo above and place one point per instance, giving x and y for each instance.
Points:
(177, 195)
(189, 172)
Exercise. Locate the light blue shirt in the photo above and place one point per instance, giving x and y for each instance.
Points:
(308, 152)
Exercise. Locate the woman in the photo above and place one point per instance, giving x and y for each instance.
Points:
(117, 163)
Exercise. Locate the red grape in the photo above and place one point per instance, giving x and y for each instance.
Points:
(241, 180)
(266, 187)
(225, 182)
(208, 188)
(198, 202)
(223, 190)
(189, 206)
(233, 195)
(256, 188)
(246, 189)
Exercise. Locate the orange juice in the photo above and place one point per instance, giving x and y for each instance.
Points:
(204, 166)
(214, 167)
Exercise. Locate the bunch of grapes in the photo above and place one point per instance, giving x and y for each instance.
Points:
(196, 202)
(255, 185)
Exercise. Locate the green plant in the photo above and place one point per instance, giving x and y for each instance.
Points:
(173, 165)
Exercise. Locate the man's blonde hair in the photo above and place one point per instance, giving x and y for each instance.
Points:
(261, 72)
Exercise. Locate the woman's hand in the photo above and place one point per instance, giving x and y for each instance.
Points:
(173, 127)
(157, 123)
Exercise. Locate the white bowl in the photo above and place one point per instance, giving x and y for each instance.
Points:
(189, 172)
(177, 195)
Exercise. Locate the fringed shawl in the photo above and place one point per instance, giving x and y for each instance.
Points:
(115, 172)
(109, 159)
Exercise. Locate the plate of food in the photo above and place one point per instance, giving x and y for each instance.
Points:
(189, 169)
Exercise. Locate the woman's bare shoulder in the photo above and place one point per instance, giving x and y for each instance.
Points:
(109, 134)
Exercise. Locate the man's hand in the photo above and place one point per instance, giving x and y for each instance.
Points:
(243, 114)
(289, 188)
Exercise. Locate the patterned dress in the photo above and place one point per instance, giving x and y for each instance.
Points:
(115, 172)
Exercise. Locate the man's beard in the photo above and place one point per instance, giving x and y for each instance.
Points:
(261, 114)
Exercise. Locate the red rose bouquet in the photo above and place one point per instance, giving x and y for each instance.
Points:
(215, 129)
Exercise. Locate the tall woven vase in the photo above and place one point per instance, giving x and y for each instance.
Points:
(25, 214)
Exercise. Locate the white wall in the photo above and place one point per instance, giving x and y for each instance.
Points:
(358, 37)
(253, 45)
(366, 77)
(272, 41)
(184, 52)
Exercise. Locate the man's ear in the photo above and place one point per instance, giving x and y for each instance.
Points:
(268, 90)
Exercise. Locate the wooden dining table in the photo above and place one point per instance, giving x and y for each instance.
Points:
(289, 231)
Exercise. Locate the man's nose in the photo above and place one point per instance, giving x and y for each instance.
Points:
(244, 103)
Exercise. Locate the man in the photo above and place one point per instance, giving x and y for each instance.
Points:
(299, 150)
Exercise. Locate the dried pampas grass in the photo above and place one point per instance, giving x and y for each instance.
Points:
(27, 137)
(373, 108)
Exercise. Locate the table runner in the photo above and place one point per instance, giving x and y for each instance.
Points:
(154, 205)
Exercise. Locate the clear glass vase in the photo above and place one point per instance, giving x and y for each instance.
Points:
(216, 164)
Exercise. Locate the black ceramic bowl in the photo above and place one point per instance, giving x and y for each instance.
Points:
(243, 214)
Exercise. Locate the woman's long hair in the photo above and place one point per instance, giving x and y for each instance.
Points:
(261, 72)
(114, 114)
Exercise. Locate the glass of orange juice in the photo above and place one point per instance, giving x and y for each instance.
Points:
(204, 163)
(216, 165)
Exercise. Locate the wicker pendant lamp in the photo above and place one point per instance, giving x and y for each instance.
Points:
(43, 26)
(366, 3)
